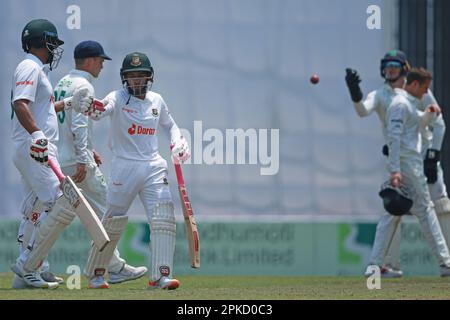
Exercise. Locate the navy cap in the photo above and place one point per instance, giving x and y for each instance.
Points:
(88, 49)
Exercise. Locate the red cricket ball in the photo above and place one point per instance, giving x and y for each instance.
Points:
(314, 79)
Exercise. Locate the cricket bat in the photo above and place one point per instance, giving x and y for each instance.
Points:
(82, 208)
(191, 225)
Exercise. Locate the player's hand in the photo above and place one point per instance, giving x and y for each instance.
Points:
(95, 109)
(352, 79)
(80, 174)
(180, 150)
(396, 179)
(39, 147)
(80, 101)
(434, 108)
(430, 169)
(97, 158)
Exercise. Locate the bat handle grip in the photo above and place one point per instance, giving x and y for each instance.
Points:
(180, 178)
(56, 169)
(178, 171)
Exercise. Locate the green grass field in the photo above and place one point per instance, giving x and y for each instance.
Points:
(248, 288)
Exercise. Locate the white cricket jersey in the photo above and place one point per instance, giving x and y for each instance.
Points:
(380, 99)
(75, 129)
(134, 126)
(403, 124)
(30, 82)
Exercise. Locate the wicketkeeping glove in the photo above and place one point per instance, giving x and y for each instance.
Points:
(352, 79)
(39, 147)
(432, 158)
(80, 101)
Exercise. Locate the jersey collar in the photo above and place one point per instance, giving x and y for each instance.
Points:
(411, 97)
(81, 73)
(32, 57)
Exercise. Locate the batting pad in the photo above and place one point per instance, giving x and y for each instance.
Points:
(98, 261)
(32, 209)
(162, 240)
(442, 207)
(48, 231)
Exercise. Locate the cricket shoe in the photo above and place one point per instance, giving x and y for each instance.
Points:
(127, 273)
(19, 283)
(33, 279)
(445, 271)
(98, 283)
(385, 272)
(50, 277)
(164, 283)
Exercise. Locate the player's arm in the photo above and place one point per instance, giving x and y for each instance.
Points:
(24, 92)
(25, 116)
(438, 132)
(99, 109)
(395, 119)
(366, 107)
(59, 106)
(79, 128)
(438, 126)
(362, 108)
(180, 149)
(80, 100)
(432, 112)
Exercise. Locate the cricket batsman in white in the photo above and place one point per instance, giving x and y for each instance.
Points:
(35, 133)
(393, 69)
(77, 156)
(137, 168)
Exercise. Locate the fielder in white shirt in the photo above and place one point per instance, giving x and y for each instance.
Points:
(393, 68)
(137, 168)
(77, 156)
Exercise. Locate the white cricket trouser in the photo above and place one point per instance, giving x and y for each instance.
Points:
(38, 180)
(414, 179)
(94, 190)
(132, 178)
(37, 177)
(437, 190)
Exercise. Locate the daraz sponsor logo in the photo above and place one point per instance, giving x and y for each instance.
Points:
(140, 130)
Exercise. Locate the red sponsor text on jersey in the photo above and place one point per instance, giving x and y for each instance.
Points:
(24, 83)
(129, 110)
(140, 130)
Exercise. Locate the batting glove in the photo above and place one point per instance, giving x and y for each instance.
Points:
(180, 150)
(432, 158)
(39, 147)
(352, 79)
(96, 108)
